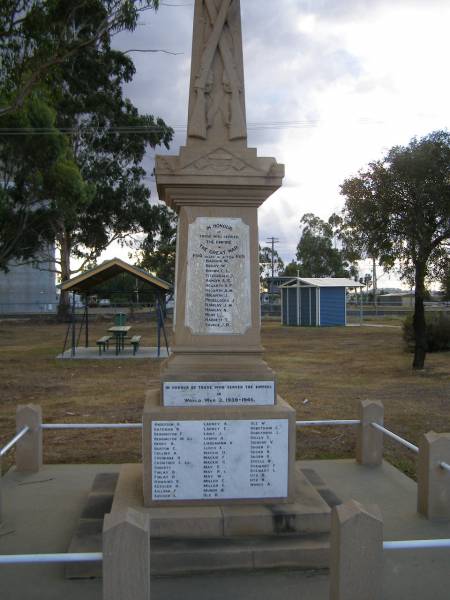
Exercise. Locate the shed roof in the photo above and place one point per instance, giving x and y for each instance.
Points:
(322, 282)
(107, 270)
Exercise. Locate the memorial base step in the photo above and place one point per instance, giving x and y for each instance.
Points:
(194, 556)
(198, 539)
(309, 513)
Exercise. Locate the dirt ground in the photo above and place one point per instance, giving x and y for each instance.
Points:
(322, 372)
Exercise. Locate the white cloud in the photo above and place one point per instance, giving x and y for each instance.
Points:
(357, 77)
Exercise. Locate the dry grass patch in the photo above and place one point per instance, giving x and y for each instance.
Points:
(331, 368)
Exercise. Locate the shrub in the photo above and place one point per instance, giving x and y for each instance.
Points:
(437, 331)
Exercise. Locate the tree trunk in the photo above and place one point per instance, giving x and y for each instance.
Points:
(419, 318)
(64, 299)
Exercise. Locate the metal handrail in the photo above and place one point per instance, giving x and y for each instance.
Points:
(396, 437)
(416, 544)
(15, 439)
(92, 426)
(445, 466)
(14, 559)
(328, 422)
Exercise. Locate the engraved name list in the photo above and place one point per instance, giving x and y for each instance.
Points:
(218, 277)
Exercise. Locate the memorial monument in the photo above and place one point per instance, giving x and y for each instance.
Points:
(237, 436)
(218, 441)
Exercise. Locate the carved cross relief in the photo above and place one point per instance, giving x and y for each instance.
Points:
(218, 89)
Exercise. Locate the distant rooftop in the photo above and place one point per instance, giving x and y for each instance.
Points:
(322, 282)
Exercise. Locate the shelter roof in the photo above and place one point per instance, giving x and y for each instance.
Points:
(107, 270)
(322, 282)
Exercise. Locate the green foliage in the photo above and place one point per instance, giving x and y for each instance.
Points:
(316, 254)
(32, 171)
(292, 269)
(445, 281)
(157, 252)
(437, 332)
(38, 36)
(398, 210)
(93, 187)
(265, 263)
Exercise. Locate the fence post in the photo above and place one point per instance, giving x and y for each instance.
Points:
(433, 482)
(356, 561)
(369, 441)
(29, 448)
(126, 556)
(1, 501)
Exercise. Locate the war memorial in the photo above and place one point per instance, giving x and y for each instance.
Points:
(219, 488)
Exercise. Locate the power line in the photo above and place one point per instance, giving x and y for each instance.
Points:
(142, 129)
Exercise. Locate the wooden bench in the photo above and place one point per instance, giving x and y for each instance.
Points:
(135, 341)
(103, 343)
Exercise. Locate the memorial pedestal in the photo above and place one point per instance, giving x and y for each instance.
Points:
(215, 454)
(199, 538)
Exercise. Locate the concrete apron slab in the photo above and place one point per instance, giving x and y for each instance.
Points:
(41, 512)
(92, 354)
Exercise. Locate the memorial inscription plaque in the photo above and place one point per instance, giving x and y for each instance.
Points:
(219, 393)
(226, 459)
(218, 277)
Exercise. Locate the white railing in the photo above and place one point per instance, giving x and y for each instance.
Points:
(15, 559)
(416, 544)
(325, 422)
(91, 425)
(396, 437)
(14, 441)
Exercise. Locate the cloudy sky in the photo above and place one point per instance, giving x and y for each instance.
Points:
(330, 85)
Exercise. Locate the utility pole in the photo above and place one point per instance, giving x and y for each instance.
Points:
(272, 240)
(374, 282)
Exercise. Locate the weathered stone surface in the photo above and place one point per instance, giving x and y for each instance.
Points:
(29, 447)
(433, 499)
(217, 179)
(126, 557)
(307, 514)
(369, 441)
(356, 552)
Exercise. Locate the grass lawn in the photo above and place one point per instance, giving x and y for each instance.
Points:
(322, 372)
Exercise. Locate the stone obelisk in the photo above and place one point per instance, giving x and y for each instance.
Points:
(217, 177)
(216, 430)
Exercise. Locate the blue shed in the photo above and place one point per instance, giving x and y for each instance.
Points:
(315, 301)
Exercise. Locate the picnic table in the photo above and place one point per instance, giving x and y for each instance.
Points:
(120, 332)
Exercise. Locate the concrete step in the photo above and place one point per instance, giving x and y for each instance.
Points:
(180, 557)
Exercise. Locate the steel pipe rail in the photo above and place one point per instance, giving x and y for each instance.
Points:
(445, 466)
(92, 426)
(396, 437)
(14, 441)
(15, 559)
(328, 422)
(416, 544)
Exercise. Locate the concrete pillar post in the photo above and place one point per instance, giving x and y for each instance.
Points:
(356, 560)
(369, 441)
(126, 557)
(433, 482)
(1, 501)
(29, 448)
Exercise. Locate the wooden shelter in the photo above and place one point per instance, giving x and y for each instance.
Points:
(83, 284)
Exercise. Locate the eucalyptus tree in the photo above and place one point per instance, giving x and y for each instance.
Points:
(399, 208)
